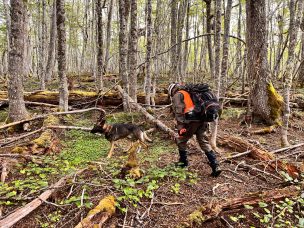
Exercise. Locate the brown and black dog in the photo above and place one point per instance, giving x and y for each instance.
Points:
(118, 131)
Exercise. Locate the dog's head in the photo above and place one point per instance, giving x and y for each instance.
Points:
(98, 127)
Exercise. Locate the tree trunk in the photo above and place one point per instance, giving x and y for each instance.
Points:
(209, 41)
(180, 25)
(99, 45)
(108, 38)
(294, 23)
(217, 70)
(123, 51)
(61, 35)
(186, 50)
(148, 85)
(42, 45)
(5, 59)
(133, 51)
(17, 109)
(173, 35)
(226, 47)
(258, 72)
(51, 47)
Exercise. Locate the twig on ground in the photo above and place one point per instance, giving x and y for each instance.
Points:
(125, 219)
(287, 148)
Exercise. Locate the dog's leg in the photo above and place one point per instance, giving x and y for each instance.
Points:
(111, 150)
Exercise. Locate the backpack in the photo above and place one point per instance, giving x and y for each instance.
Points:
(206, 105)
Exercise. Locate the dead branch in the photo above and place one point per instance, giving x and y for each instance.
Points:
(266, 130)
(46, 115)
(240, 144)
(287, 148)
(24, 156)
(213, 209)
(28, 208)
(5, 102)
(70, 128)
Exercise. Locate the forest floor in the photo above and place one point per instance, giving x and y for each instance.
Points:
(165, 196)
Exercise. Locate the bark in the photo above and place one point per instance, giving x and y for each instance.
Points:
(209, 41)
(85, 36)
(51, 47)
(99, 45)
(108, 38)
(239, 49)
(226, 47)
(42, 44)
(61, 42)
(148, 85)
(84, 98)
(258, 71)
(133, 51)
(186, 50)
(294, 23)
(301, 67)
(180, 26)
(17, 109)
(123, 51)
(173, 34)
(217, 69)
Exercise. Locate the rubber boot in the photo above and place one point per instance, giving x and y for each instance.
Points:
(183, 161)
(216, 171)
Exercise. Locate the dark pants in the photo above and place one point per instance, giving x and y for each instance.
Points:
(193, 128)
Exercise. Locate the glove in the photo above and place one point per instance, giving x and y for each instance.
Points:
(182, 131)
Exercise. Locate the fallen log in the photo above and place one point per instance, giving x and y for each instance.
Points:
(4, 103)
(240, 144)
(77, 96)
(46, 115)
(28, 208)
(213, 209)
(100, 214)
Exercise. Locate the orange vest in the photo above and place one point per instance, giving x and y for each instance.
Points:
(189, 106)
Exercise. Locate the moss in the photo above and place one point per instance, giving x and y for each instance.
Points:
(51, 120)
(124, 117)
(276, 102)
(197, 217)
(232, 113)
(18, 149)
(45, 139)
(3, 115)
(107, 204)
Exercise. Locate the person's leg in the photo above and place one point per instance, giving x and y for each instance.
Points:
(203, 141)
(185, 132)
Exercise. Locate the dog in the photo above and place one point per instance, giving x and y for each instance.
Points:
(119, 131)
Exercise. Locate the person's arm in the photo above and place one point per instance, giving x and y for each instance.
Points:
(178, 107)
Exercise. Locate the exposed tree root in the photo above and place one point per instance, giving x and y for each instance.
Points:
(214, 208)
(100, 214)
(240, 144)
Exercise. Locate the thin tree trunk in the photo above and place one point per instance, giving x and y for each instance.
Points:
(17, 110)
(294, 23)
(42, 42)
(173, 34)
(133, 51)
(99, 46)
(217, 69)
(148, 85)
(85, 36)
(123, 52)
(51, 47)
(61, 35)
(209, 41)
(8, 29)
(226, 47)
(185, 59)
(108, 38)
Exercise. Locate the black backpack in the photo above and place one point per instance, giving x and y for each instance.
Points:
(206, 103)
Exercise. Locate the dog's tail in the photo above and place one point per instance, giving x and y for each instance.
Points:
(146, 137)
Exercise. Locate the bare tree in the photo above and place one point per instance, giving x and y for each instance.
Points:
(99, 45)
(51, 47)
(294, 23)
(148, 85)
(173, 34)
(123, 51)
(17, 110)
(61, 42)
(133, 51)
(108, 38)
